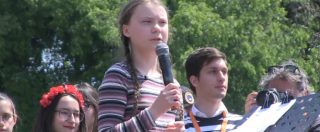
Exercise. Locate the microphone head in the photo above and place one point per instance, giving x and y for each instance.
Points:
(162, 49)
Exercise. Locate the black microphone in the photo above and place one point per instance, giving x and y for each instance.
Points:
(162, 51)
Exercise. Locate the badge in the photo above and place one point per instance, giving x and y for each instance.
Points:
(188, 97)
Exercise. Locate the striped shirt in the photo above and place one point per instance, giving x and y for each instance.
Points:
(116, 100)
(210, 124)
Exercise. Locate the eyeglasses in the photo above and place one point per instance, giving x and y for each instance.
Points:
(6, 117)
(65, 115)
(287, 68)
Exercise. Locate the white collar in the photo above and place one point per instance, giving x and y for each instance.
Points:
(198, 113)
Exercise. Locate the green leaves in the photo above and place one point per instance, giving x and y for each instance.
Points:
(84, 41)
(253, 34)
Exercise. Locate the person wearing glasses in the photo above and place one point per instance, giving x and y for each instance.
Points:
(8, 114)
(287, 77)
(61, 111)
(90, 96)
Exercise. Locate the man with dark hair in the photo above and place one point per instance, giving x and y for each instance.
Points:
(207, 74)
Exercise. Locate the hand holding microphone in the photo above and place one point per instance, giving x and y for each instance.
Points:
(163, 53)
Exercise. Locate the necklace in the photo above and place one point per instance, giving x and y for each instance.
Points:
(223, 124)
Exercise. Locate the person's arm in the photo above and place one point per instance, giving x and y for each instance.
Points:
(112, 105)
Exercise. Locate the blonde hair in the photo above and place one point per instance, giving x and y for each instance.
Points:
(124, 18)
(5, 97)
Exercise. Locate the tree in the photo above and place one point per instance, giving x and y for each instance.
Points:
(253, 34)
(45, 43)
(307, 14)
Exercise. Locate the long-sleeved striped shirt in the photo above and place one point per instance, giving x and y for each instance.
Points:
(116, 99)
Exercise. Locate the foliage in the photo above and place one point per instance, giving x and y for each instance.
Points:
(44, 43)
(253, 34)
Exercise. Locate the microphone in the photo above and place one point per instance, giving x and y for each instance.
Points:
(162, 51)
(163, 54)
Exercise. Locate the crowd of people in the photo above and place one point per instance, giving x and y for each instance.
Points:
(132, 96)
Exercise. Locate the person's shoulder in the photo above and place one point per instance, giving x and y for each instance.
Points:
(119, 67)
(117, 76)
(187, 122)
(233, 116)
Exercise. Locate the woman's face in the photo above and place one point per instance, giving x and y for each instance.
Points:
(286, 85)
(7, 117)
(90, 115)
(67, 115)
(147, 27)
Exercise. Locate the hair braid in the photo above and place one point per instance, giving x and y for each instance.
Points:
(132, 71)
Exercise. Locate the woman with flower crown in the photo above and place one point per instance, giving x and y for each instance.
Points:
(61, 111)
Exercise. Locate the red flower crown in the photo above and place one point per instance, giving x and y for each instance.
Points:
(61, 89)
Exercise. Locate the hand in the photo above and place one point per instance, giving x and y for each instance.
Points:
(178, 126)
(169, 97)
(250, 101)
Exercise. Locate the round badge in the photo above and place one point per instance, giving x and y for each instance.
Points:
(188, 97)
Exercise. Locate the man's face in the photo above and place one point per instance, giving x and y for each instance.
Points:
(212, 82)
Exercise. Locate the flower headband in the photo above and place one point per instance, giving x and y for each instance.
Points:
(61, 89)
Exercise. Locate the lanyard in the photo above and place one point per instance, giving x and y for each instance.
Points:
(196, 125)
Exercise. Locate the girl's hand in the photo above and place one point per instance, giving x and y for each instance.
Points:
(178, 126)
(169, 97)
